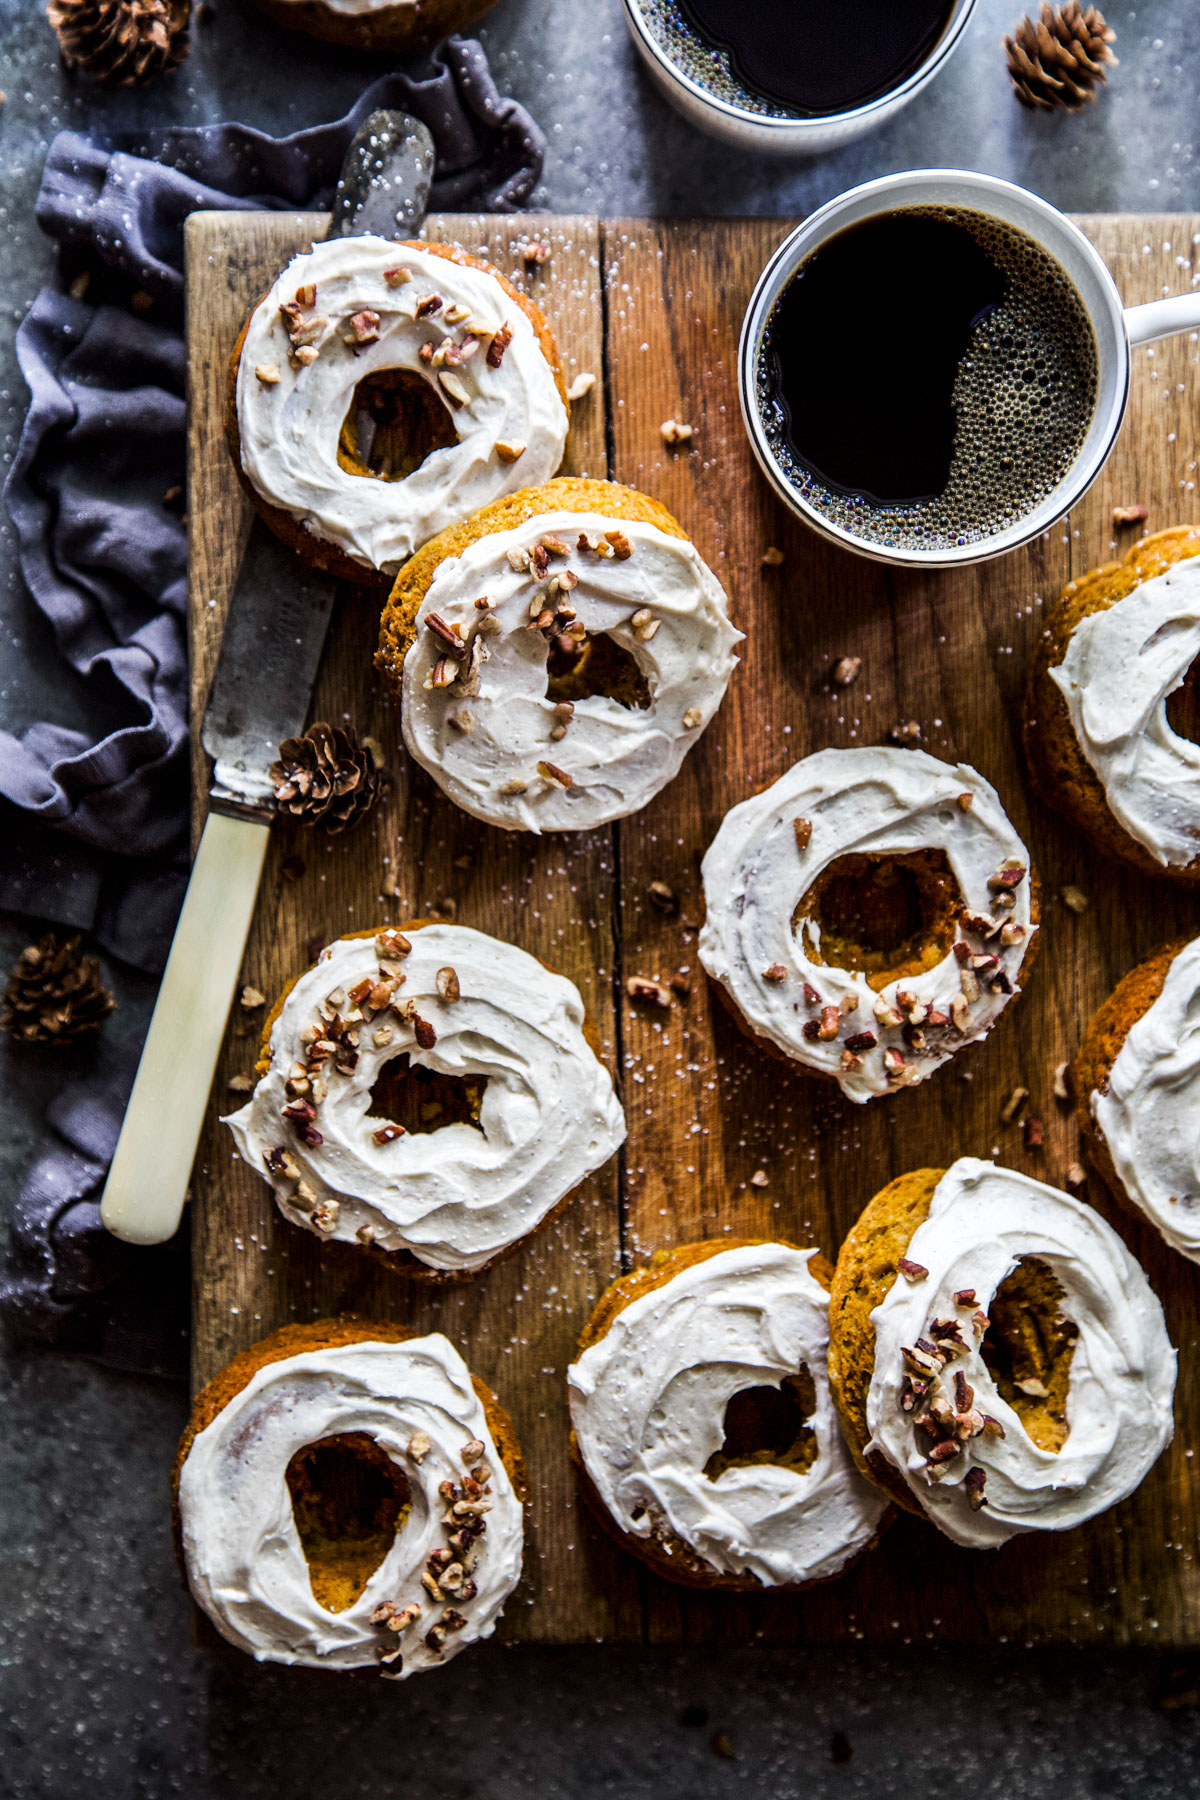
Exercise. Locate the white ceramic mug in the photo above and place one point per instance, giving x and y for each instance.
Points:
(782, 136)
(1117, 329)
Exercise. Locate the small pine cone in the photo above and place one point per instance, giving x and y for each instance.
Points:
(327, 777)
(1059, 59)
(121, 43)
(54, 994)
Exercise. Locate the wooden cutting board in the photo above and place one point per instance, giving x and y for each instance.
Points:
(653, 309)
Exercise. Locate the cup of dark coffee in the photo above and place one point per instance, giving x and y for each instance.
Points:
(934, 367)
(793, 77)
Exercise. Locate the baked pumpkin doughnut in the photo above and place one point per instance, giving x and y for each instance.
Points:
(998, 1358)
(381, 391)
(430, 1092)
(1099, 737)
(1137, 1092)
(348, 1495)
(386, 26)
(703, 1428)
(869, 914)
(557, 655)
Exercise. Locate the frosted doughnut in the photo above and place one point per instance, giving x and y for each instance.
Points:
(770, 850)
(461, 1003)
(648, 1401)
(981, 1221)
(1148, 1110)
(493, 738)
(245, 1562)
(1121, 666)
(356, 306)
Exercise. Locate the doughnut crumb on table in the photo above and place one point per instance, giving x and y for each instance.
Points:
(1137, 1092)
(383, 26)
(868, 914)
(703, 1428)
(998, 1359)
(1111, 710)
(348, 1495)
(381, 391)
(557, 655)
(430, 1094)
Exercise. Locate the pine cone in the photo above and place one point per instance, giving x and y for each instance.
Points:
(121, 43)
(327, 777)
(54, 994)
(1059, 59)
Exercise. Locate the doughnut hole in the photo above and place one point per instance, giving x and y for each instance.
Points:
(1028, 1349)
(769, 1425)
(421, 1099)
(1183, 706)
(395, 421)
(889, 917)
(348, 1500)
(599, 665)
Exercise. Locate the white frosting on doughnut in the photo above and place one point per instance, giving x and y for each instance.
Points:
(458, 1196)
(245, 1562)
(617, 757)
(648, 1405)
(1149, 1112)
(866, 802)
(289, 426)
(981, 1222)
(1121, 666)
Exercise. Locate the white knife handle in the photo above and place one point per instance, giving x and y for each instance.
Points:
(147, 1183)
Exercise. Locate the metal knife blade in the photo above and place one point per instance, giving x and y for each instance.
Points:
(270, 651)
(280, 608)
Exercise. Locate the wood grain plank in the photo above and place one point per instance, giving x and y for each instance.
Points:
(707, 1110)
(417, 854)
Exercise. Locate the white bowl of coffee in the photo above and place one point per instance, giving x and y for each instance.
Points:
(795, 77)
(934, 367)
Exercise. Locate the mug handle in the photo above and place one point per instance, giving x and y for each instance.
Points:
(1162, 318)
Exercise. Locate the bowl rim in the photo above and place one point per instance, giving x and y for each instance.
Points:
(799, 124)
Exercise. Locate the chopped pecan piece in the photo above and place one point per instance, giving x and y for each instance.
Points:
(499, 344)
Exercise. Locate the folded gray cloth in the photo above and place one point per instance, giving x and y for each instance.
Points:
(93, 822)
(95, 494)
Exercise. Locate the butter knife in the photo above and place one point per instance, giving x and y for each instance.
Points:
(270, 652)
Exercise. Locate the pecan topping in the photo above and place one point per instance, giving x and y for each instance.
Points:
(974, 1483)
(803, 830)
(364, 327)
(551, 772)
(846, 670)
(912, 1271)
(643, 990)
(497, 347)
(776, 972)
(446, 634)
(447, 985)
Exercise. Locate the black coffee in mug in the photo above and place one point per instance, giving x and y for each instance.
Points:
(815, 59)
(927, 377)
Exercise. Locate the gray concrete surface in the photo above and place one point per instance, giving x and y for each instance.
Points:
(104, 1692)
